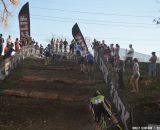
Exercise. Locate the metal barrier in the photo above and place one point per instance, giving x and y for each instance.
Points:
(9, 64)
(120, 105)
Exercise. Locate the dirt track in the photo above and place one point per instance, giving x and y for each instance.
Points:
(25, 113)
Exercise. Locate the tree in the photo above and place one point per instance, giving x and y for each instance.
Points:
(5, 12)
(157, 20)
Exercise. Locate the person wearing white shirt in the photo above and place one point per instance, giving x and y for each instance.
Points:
(130, 54)
(9, 40)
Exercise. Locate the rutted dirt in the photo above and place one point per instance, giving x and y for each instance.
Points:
(62, 78)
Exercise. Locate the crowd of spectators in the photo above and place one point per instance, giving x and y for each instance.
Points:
(59, 45)
(110, 54)
(10, 46)
(83, 56)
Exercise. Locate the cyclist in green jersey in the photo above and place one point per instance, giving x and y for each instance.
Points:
(100, 106)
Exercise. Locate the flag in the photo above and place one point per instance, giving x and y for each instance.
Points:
(76, 33)
(24, 21)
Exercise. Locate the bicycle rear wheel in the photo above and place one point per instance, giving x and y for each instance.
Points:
(103, 125)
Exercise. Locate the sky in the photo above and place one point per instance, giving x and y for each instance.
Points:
(120, 22)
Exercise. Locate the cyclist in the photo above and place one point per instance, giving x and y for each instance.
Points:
(47, 51)
(100, 106)
(41, 51)
(78, 49)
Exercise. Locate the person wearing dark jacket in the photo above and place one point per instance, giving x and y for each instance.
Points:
(8, 51)
(1, 44)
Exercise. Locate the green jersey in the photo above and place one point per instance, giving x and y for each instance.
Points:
(96, 100)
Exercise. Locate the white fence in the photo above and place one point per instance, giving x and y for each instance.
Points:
(120, 105)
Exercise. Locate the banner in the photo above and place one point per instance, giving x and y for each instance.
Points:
(76, 32)
(24, 21)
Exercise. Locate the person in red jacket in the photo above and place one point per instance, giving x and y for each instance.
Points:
(5, 49)
(17, 45)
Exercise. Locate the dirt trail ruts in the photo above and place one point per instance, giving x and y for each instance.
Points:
(26, 113)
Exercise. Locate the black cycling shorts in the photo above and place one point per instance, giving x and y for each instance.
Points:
(99, 111)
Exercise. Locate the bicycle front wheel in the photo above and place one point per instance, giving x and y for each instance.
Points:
(118, 127)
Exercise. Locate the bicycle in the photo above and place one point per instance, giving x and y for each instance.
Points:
(105, 124)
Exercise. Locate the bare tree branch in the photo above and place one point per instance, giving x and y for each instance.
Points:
(14, 2)
(5, 13)
(4, 4)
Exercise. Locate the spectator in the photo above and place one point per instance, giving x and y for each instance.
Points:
(1, 44)
(135, 77)
(90, 61)
(107, 54)
(103, 43)
(71, 46)
(130, 54)
(60, 45)
(52, 43)
(116, 56)
(17, 45)
(94, 43)
(65, 43)
(152, 65)
(41, 51)
(37, 49)
(120, 74)
(47, 51)
(57, 42)
(111, 59)
(112, 49)
(78, 49)
(8, 51)
(9, 41)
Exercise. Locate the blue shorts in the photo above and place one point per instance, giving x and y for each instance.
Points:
(152, 69)
(78, 52)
